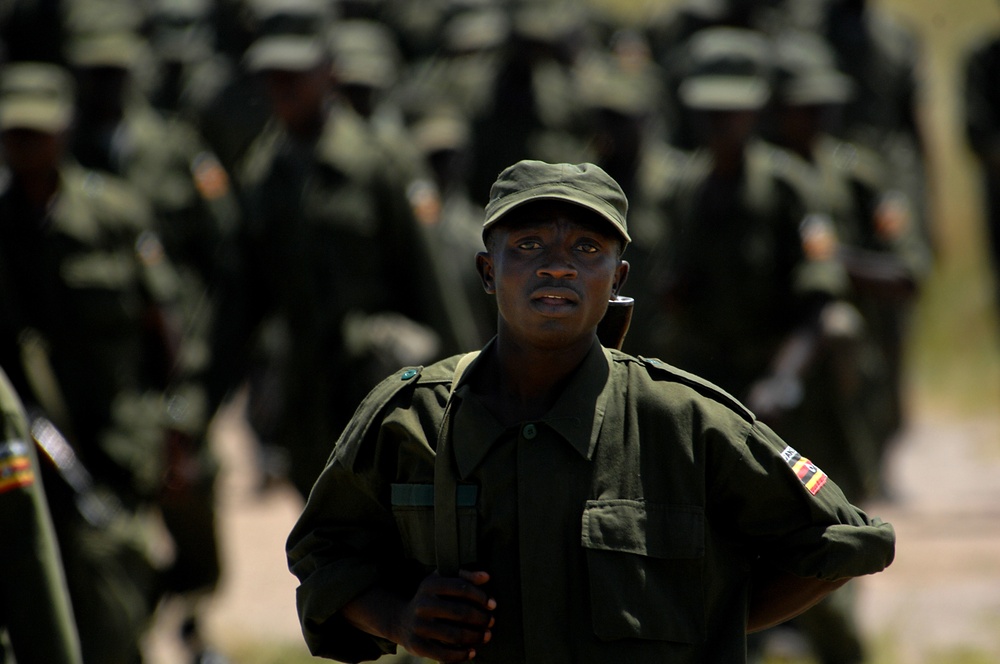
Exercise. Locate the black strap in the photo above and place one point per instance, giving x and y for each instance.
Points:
(446, 541)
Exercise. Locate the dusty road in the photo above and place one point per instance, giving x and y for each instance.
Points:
(941, 595)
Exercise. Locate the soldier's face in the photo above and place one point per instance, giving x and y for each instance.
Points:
(298, 97)
(552, 266)
(29, 152)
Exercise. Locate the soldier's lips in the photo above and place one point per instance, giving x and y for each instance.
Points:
(555, 300)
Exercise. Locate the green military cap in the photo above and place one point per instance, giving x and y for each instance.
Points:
(290, 36)
(180, 30)
(441, 130)
(548, 22)
(727, 69)
(365, 52)
(475, 30)
(605, 84)
(35, 95)
(806, 73)
(586, 185)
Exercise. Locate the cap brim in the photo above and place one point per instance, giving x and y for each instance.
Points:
(284, 54)
(725, 93)
(45, 117)
(555, 193)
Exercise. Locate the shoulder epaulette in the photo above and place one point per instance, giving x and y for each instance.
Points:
(368, 410)
(371, 408)
(660, 370)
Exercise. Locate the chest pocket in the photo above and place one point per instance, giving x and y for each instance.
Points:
(646, 567)
(413, 510)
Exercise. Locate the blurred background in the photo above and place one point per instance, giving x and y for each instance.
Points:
(940, 601)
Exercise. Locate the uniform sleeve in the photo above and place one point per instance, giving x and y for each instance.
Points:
(345, 540)
(793, 515)
(336, 551)
(33, 596)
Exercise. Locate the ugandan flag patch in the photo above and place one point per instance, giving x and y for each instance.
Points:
(15, 465)
(809, 474)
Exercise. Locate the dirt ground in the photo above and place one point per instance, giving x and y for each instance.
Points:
(941, 596)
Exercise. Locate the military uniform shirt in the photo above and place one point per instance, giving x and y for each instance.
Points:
(621, 526)
(34, 602)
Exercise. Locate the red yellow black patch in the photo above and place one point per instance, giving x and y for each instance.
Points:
(16, 469)
(809, 474)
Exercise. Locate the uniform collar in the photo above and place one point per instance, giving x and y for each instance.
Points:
(576, 416)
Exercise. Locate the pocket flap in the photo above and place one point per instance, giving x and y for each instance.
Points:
(647, 529)
(422, 495)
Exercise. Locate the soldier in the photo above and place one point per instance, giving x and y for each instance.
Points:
(194, 212)
(884, 59)
(37, 615)
(880, 245)
(533, 110)
(551, 499)
(443, 138)
(89, 342)
(884, 256)
(329, 232)
(981, 120)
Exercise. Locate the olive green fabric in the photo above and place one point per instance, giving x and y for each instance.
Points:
(35, 610)
(621, 526)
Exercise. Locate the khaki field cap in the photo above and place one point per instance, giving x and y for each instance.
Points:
(585, 185)
(35, 95)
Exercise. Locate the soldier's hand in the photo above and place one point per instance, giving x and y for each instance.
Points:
(448, 617)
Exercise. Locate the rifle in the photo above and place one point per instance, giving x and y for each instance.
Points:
(99, 509)
(614, 326)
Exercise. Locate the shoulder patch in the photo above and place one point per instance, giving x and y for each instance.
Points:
(16, 469)
(809, 474)
(661, 370)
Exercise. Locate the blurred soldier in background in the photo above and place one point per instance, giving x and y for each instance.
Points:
(461, 72)
(885, 259)
(231, 111)
(883, 58)
(90, 344)
(880, 246)
(981, 119)
(443, 138)
(668, 29)
(36, 617)
(533, 110)
(328, 250)
(751, 292)
(194, 211)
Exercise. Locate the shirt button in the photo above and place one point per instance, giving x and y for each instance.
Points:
(408, 374)
(529, 431)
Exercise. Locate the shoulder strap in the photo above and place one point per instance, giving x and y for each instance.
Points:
(446, 483)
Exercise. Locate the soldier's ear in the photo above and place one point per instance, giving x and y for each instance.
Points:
(621, 276)
(484, 266)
